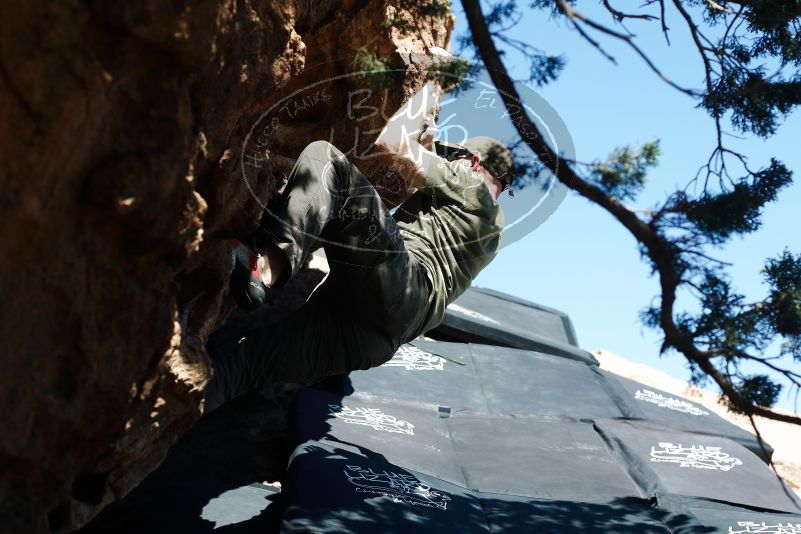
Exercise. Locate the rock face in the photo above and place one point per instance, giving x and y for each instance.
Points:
(134, 150)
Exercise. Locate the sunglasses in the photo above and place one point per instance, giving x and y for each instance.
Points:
(505, 178)
(506, 184)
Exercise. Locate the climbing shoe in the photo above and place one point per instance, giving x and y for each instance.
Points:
(247, 288)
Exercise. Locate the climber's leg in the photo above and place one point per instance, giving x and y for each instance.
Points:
(325, 337)
(374, 299)
(327, 199)
(320, 184)
(371, 270)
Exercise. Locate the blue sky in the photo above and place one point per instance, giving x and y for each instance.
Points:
(580, 260)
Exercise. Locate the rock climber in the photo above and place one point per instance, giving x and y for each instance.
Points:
(391, 275)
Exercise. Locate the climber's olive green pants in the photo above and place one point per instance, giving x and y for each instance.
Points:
(372, 301)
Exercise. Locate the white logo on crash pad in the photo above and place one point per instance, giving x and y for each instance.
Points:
(671, 403)
(471, 313)
(372, 417)
(697, 456)
(747, 527)
(413, 359)
(400, 487)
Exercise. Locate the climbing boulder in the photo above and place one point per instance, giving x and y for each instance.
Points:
(123, 182)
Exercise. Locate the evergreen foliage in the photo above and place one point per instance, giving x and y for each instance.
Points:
(623, 174)
(375, 70)
(750, 60)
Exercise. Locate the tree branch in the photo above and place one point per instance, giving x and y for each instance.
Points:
(620, 16)
(576, 16)
(662, 253)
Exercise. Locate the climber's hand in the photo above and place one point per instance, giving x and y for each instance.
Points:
(429, 133)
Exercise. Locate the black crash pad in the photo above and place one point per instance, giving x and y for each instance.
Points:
(237, 506)
(523, 381)
(330, 489)
(410, 436)
(200, 505)
(486, 316)
(690, 515)
(510, 514)
(414, 373)
(541, 458)
(745, 522)
(210, 481)
(645, 402)
(490, 378)
(668, 461)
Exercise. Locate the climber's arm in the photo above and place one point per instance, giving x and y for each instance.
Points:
(415, 116)
(384, 159)
(400, 140)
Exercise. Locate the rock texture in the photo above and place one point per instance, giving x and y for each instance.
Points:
(122, 184)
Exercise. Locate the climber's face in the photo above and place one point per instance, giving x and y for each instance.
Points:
(493, 184)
